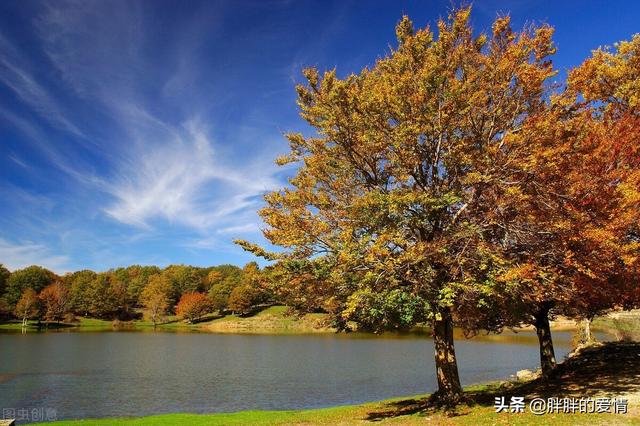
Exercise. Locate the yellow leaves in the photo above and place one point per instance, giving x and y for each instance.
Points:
(502, 29)
(404, 29)
(630, 190)
(543, 43)
(610, 74)
(312, 75)
(522, 272)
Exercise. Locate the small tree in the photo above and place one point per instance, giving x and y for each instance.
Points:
(193, 306)
(243, 299)
(28, 306)
(55, 301)
(155, 298)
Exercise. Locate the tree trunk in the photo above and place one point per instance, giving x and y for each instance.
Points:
(449, 389)
(588, 335)
(547, 355)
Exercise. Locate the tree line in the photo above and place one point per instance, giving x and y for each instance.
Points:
(190, 292)
(455, 182)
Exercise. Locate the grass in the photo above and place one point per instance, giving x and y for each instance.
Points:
(272, 320)
(96, 324)
(593, 372)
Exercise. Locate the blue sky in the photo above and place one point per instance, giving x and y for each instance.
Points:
(145, 131)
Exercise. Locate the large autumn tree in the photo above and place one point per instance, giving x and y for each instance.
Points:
(395, 191)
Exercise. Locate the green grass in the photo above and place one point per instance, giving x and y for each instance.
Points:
(625, 327)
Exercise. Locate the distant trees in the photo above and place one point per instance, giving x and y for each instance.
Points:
(79, 284)
(4, 277)
(183, 279)
(138, 278)
(5, 308)
(155, 297)
(34, 277)
(193, 306)
(122, 293)
(222, 280)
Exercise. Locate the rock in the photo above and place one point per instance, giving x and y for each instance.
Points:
(525, 375)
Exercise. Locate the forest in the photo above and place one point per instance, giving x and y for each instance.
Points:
(35, 293)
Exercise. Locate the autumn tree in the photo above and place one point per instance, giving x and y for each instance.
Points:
(251, 292)
(138, 278)
(571, 227)
(155, 297)
(242, 299)
(184, 279)
(223, 279)
(107, 296)
(193, 306)
(28, 306)
(396, 189)
(607, 185)
(55, 300)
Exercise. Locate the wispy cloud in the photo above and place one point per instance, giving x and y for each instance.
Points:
(19, 255)
(183, 181)
(15, 74)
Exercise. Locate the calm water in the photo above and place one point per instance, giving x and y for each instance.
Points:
(82, 374)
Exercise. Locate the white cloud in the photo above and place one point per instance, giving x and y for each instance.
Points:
(17, 256)
(183, 181)
(240, 229)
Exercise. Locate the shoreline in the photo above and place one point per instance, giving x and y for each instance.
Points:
(275, 321)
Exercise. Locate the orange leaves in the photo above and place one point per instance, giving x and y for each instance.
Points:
(55, 301)
(193, 306)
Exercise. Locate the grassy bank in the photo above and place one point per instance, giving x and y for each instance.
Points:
(623, 325)
(273, 320)
(96, 324)
(593, 372)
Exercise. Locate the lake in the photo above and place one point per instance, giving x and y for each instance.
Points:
(104, 374)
